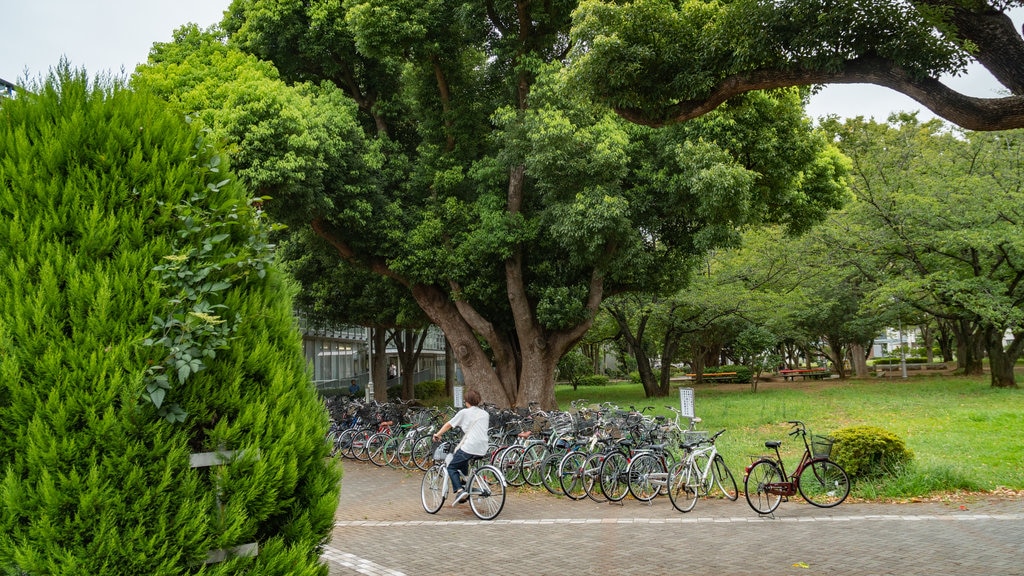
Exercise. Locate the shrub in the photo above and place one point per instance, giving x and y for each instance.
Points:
(594, 380)
(743, 373)
(430, 389)
(866, 451)
(884, 360)
(634, 376)
(119, 227)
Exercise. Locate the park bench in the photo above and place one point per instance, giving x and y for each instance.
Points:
(910, 366)
(715, 377)
(805, 373)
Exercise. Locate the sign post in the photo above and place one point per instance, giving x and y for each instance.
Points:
(686, 402)
(457, 396)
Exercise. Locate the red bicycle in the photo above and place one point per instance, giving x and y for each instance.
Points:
(819, 480)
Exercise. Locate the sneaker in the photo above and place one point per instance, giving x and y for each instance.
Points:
(460, 497)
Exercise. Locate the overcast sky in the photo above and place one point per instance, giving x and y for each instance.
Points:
(108, 35)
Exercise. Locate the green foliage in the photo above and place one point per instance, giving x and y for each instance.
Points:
(574, 366)
(107, 208)
(593, 380)
(897, 359)
(430, 389)
(743, 373)
(866, 451)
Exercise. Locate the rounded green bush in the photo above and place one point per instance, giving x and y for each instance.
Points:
(866, 451)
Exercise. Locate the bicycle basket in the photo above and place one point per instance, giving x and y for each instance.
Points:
(442, 451)
(693, 436)
(821, 446)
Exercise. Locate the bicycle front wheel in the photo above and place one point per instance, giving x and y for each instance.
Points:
(724, 478)
(571, 475)
(646, 476)
(614, 483)
(760, 498)
(824, 483)
(549, 473)
(533, 460)
(592, 477)
(511, 465)
(683, 485)
(487, 492)
(423, 453)
(374, 448)
(432, 489)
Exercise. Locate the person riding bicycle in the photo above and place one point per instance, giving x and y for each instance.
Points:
(474, 422)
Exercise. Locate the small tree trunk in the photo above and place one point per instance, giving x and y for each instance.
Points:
(1001, 361)
(859, 360)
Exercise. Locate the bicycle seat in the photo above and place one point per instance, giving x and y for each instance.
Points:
(772, 444)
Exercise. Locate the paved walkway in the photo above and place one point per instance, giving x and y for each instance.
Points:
(381, 529)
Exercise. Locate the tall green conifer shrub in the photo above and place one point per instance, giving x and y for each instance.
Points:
(116, 220)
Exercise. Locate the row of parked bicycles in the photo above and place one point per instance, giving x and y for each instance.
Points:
(604, 453)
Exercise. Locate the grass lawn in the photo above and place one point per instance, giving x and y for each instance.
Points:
(965, 435)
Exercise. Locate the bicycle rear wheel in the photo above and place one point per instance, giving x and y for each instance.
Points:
(724, 478)
(432, 489)
(761, 474)
(683, 485)
(646, 476)
(486, 492)
(824, 483)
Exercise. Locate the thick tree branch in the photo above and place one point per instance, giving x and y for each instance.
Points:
(984, 114)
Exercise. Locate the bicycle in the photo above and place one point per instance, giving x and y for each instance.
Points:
(486, 485)
(819, 480)
(700, 471)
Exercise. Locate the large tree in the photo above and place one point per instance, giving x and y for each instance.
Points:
(505, 203)
(659, 61)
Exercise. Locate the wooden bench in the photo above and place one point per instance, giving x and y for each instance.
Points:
(805, 373)
(715, 377)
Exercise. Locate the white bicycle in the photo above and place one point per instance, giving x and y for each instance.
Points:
(486, 485)
(700, 471)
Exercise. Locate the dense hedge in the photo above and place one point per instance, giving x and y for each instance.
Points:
(118, 227)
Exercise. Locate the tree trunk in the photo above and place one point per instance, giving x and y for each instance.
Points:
(1002, 361)
(379, 367)
(928, 339)
(859, 360)
(946, 340)
(449, 368)
(970, 348)
(409, 343)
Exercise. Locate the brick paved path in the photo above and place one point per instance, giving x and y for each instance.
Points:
(381, 529)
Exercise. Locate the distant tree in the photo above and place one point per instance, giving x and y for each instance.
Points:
(942, 210)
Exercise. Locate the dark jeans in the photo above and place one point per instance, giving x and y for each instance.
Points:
(460, 463)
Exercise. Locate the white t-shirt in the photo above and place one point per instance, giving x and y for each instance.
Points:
(474, 422)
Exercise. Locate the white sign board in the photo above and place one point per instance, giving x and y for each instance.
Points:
(457, 396)
(686, 402)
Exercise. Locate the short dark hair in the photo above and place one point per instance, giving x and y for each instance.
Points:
(472, 397)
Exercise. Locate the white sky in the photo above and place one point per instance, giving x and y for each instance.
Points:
(108, 35)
